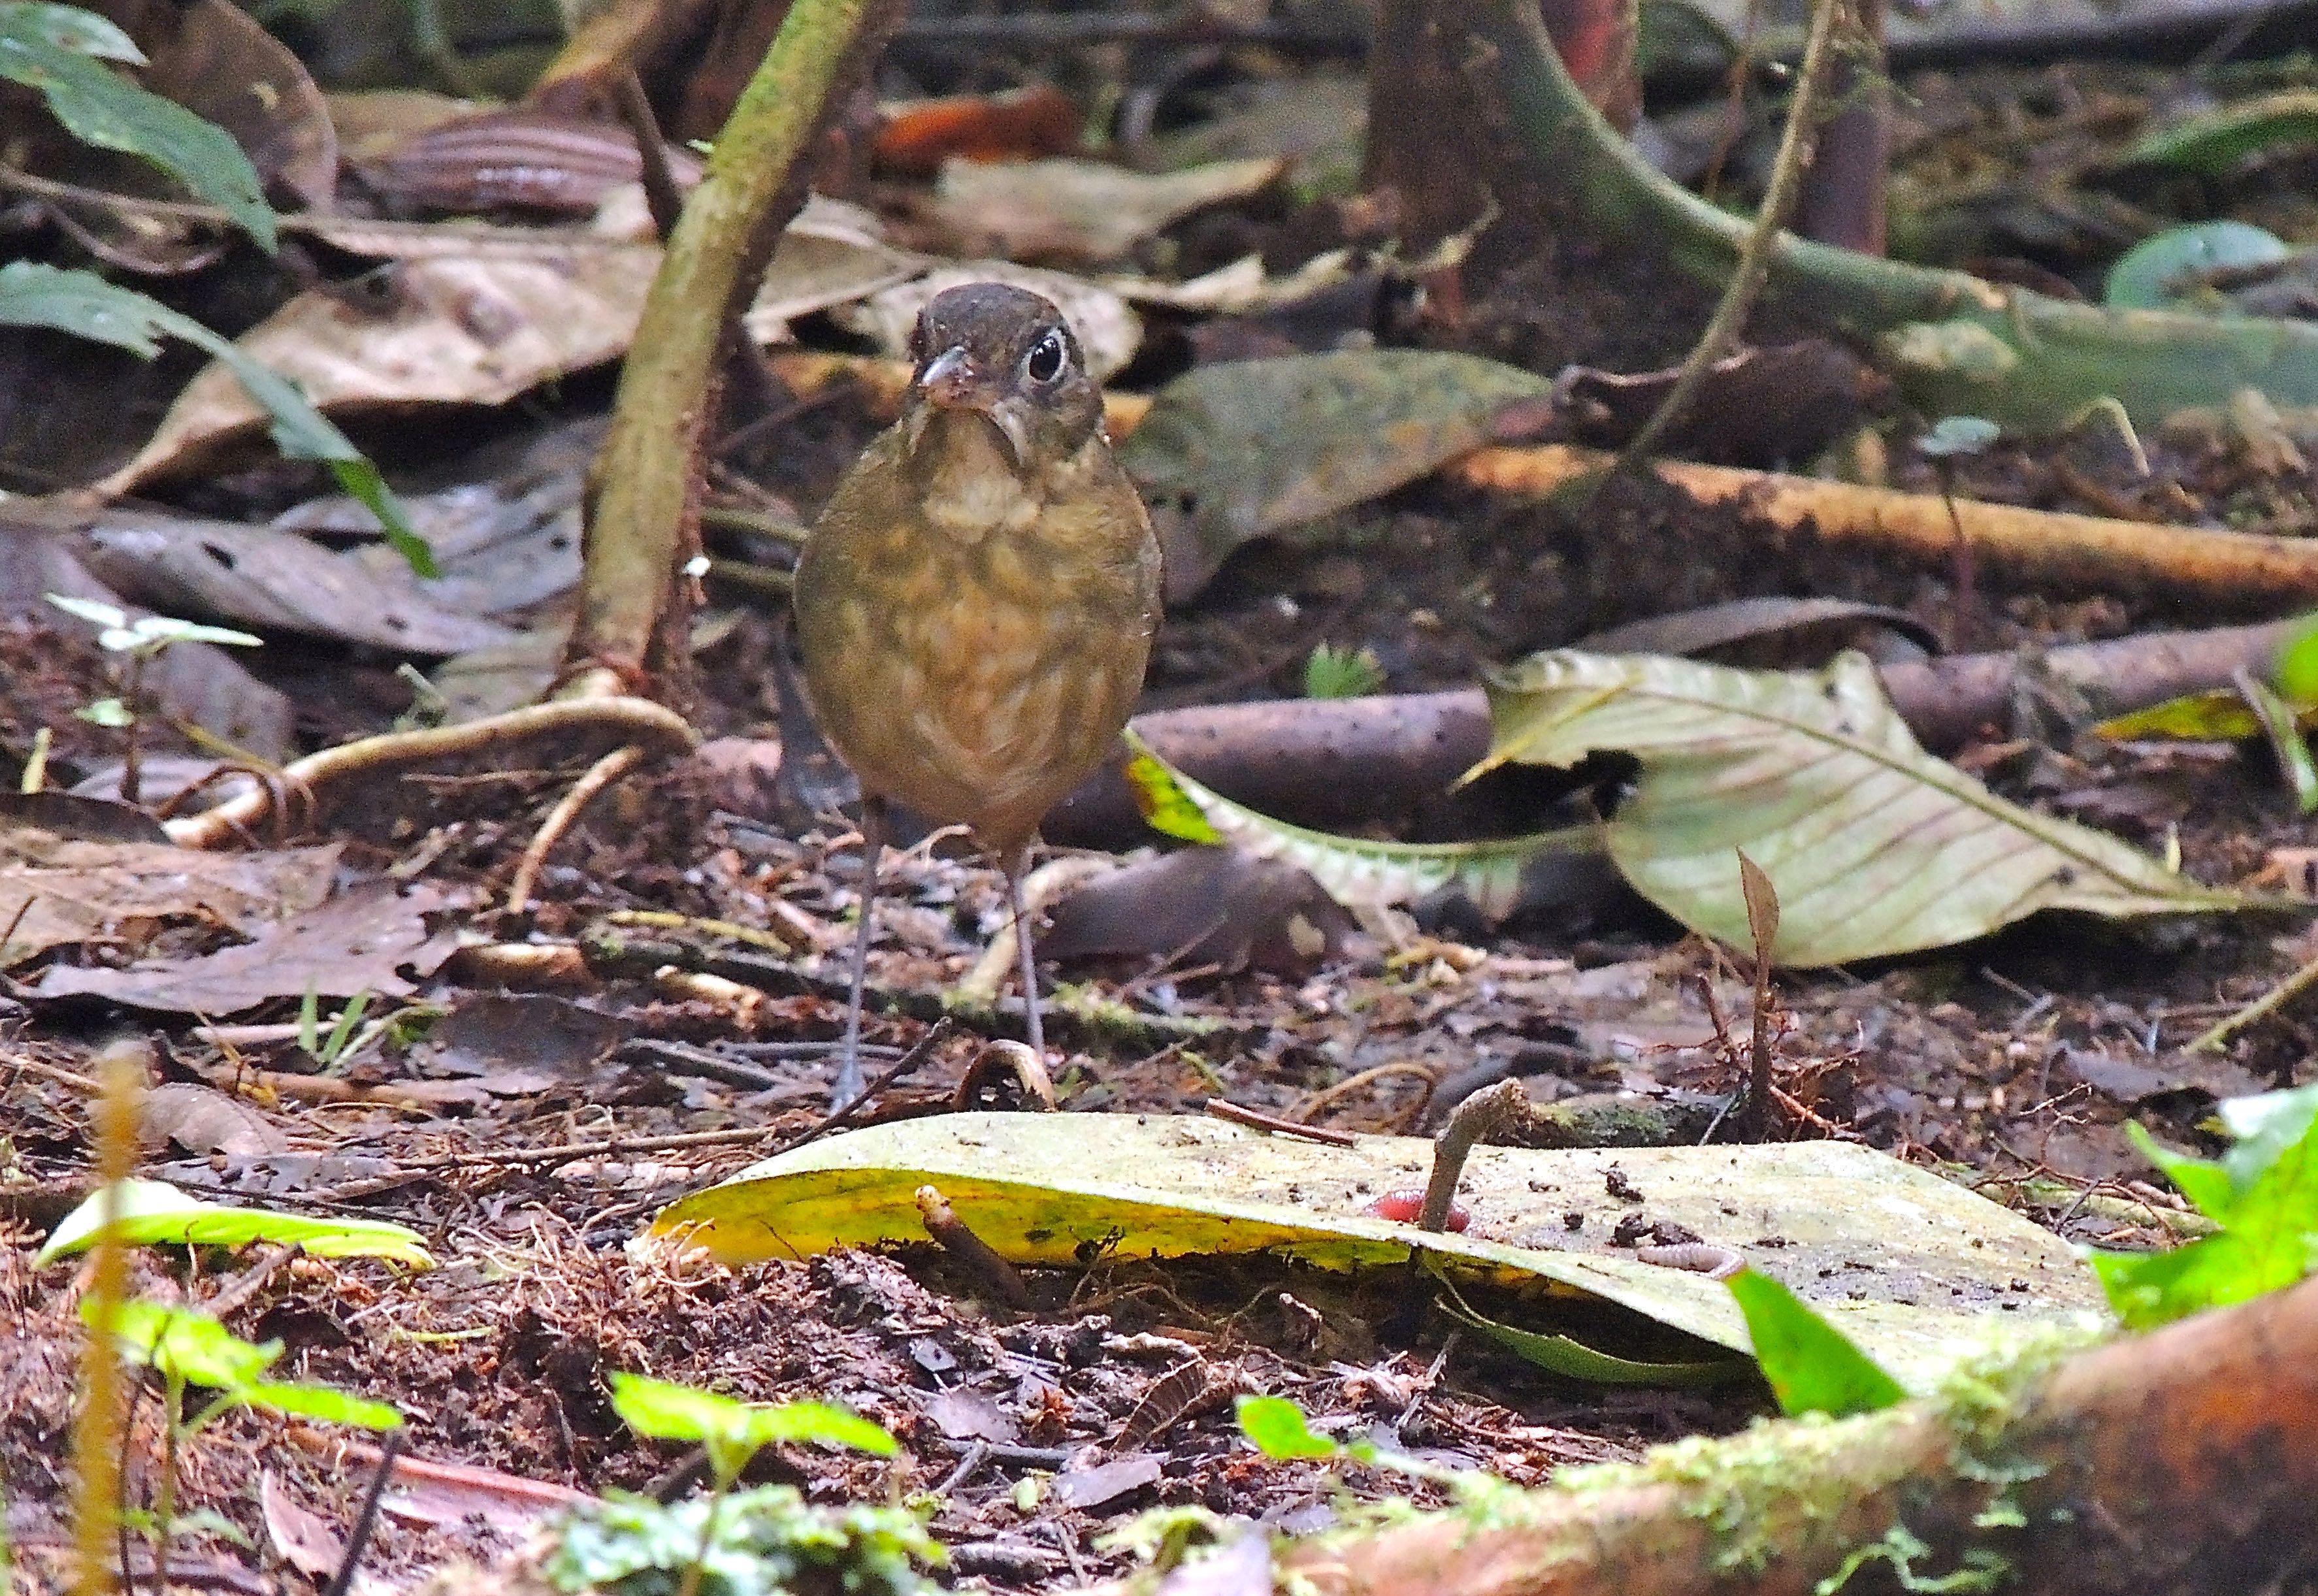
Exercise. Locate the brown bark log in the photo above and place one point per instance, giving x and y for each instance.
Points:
(2178, 1464)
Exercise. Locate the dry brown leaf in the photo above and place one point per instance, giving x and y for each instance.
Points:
(362, 940)
(55, 891)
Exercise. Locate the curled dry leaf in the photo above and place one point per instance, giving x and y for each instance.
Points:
(1874, 846)
(202, 1119)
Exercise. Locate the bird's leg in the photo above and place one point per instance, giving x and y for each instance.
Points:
(848, 1086)
(1015, 870)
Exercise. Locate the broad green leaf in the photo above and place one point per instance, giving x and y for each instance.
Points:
(155, 1213)
(1359, 874)
(1812, 1367)
(1874, 846)
(57, 49)
(1252, 447)
(1573, 1360)
(322, 1404)
(2270, 1214)
(1275, 1427)
(2216, 142)
(2206, 1184)
(2161, 271)
(824, 1424)
(186, 1344)
(33, 294)
(1901, 1259)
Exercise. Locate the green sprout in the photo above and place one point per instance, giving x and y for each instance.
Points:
(137, 644)
(731, 1433)
(190, 1350)
(1342, 673)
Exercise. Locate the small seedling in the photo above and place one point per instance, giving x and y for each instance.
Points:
(1342, 673)
(331, 1051)
(1954, 437)
(190, 1350)
(137, 644)
(731, 1433)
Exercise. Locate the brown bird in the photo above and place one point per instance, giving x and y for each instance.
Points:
(978, 600)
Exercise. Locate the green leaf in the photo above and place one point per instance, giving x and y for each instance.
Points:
(1958, 434)
(2270, 1216)
(1813, 1368)
(1873, 845)
(184, 1344)
(108, 712)
(33, 294)
(2206, 1184)
(1359, 874)
(1275, 1426)
(2217, 142)
(57, 49)
(1342, 673)
(2161, 271)
(321, 1404)
(731, 1431)
(1574, 1360)
(155, 1213)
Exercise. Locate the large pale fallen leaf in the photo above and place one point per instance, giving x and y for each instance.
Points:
(831, 255)
(55, 890)
(1910, 1266)
(1233, 451)
(1074, 209)
(1875, 847)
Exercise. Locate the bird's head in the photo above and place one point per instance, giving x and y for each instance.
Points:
(1005, 355)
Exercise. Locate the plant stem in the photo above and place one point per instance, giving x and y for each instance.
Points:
(644, 490)
(699, 1564)
(132, 698)
(1745, 284)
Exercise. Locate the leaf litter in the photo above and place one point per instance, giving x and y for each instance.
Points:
(2021, 1058)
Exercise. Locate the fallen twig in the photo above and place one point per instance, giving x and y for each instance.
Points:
(1239, 1114)
(957, 1239)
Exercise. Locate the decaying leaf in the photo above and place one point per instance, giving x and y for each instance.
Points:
(373, 938)
(1202, 906)
(444, 331)
(201, 1119)
(54, 890)
(1875, 847)
(1910, 1267)
(1231, 452)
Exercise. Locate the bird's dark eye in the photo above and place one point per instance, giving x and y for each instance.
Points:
(1043, 363)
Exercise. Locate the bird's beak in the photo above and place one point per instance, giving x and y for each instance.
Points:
(950, 380)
